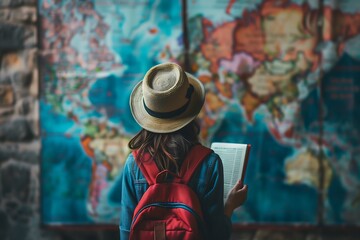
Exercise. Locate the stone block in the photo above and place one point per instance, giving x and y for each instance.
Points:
(6, 95)
(16, 36)
(4, 79)
(11, 205)
(22, 14)
(23, 214)
(24, 106)
(26, 156)
(12, 63)
(11, 37)
(15, 183)
(24, 152)
(17, 3)
(16, 130)
(6, 113)
(17, 65)
(21, 80)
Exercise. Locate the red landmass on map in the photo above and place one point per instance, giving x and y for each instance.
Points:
(293, 31)
(217, 43)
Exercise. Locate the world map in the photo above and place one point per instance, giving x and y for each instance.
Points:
(279, 75)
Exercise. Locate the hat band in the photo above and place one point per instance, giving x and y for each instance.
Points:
(174, 113)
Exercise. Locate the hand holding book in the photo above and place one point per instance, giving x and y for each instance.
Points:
(236, 197)
(234, 157)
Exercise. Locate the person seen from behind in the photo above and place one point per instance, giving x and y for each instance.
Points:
(166, 104)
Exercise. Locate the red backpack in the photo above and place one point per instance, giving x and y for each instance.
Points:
(171, 209)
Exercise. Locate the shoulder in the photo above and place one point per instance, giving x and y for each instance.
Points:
(211, 158)
(207, 175)
(211, 165)
(213, 161)
(130, 165)
(131, 168)
(130, 161)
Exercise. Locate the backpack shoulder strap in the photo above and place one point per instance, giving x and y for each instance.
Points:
(193, 159)
(147, 166)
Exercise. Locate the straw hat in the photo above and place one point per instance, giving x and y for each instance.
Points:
(166, 99)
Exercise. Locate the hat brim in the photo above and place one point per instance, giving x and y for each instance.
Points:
(159, 125)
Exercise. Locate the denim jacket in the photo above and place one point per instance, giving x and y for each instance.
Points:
(207, 182)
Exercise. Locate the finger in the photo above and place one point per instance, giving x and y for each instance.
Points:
(238, 185)
(243, 189)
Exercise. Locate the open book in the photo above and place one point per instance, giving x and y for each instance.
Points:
(234, 157)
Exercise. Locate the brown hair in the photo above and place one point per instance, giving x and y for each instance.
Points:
(167, 149)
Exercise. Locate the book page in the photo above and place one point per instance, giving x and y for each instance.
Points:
(233, 158)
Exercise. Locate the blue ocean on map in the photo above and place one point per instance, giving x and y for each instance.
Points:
(69, 172)
(112, 95)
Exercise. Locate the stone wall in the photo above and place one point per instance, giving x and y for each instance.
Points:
(19, 122)
(19, 135)
(20, 138)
